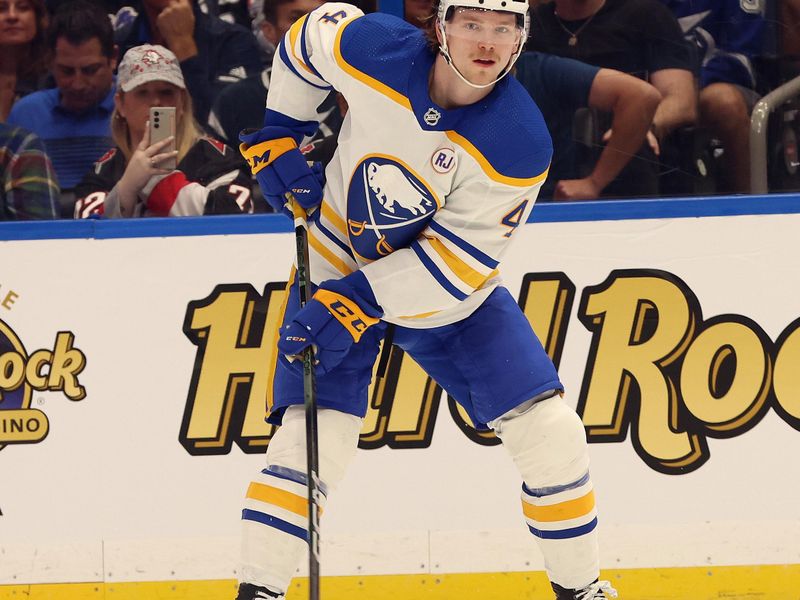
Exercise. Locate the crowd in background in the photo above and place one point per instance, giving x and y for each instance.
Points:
(643, 98)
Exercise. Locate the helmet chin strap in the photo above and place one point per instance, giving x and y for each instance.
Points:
(443, 49)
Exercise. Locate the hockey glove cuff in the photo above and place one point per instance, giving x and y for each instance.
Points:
(333, 320)
(280, 167)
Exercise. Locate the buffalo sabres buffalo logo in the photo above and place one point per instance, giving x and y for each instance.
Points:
(387, 206)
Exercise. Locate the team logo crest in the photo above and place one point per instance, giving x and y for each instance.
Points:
(387, 205)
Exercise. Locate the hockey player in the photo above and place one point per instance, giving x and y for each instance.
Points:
(440, 159)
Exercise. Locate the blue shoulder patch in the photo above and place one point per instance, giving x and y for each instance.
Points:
(383, 47)
(508, 130)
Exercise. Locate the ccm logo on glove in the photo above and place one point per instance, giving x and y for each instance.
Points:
(295, 338)
(261, 155)
(346, 312)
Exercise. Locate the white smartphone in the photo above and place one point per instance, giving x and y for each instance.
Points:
(162, 125)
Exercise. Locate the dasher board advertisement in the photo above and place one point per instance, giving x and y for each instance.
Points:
(134, 368)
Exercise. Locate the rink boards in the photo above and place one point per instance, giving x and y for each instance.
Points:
(133, 370)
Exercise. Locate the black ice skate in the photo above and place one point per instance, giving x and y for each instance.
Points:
(599, 590)
(248, 591)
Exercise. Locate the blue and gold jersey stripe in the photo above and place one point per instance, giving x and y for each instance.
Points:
(462, 270)
(487, 167)
(464, 245)
(368, 80)
(328, 255)
(437, 274)
(295, 31)
(288, 62)
(304, 50)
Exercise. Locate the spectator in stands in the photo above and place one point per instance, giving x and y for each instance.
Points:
(728, 34)
(789, 21)
(23, 51)
(210, 177)
(561, 86)
(73, 118)
(241, 105)
(212, 53)
(232, 11)
(265, 47)
(639, 37)
(110, 6)
(28, 186)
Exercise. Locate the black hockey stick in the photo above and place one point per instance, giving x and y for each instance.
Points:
(310, 396)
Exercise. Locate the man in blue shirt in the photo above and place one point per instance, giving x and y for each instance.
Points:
(560, 87)
(73, 119)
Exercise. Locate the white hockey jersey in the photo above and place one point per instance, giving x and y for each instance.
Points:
(423, 200)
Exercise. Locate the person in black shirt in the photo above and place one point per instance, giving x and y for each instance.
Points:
(639, 37)
(241, 105)
(561, 86)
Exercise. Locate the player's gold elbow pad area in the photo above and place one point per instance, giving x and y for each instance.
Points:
(347, 312)
(262, 154)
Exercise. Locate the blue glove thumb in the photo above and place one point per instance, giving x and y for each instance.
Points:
(314, 326)
(296, 176)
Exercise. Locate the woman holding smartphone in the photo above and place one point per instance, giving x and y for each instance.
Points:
(183, 174)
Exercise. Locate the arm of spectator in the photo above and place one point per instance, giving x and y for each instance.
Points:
(31, 188)
(113, 187)
(632, 103)
(678, 104)
(220, 184)
(142, 172)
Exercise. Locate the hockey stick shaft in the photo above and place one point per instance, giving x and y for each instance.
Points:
(310, 402)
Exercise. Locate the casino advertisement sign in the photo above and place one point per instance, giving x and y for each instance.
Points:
(23, 372)
(659, 370)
